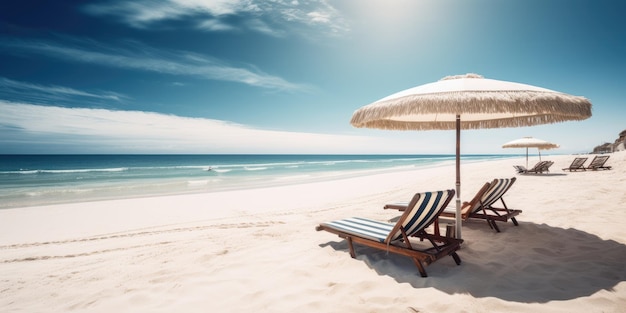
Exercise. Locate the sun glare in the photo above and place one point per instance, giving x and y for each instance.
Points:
(393, 21)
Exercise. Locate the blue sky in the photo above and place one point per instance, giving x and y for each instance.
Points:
(194, 76)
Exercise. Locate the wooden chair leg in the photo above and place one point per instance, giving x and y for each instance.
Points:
(351, 246)
(514, 221)
(456, 258)
(489, 223)
(495, 226)
(486, 215)
(420, 267)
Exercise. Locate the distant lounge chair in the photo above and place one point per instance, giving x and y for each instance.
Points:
(421, 212)
(546, 167)
(539, 168)
(481, 206)
(520, 169)
(577, 164)
(598, 163)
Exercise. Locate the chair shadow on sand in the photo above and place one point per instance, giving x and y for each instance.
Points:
(563, 264)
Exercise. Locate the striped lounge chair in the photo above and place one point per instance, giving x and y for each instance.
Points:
(598, 163)
(539, 168)
(481, 206)
(398, 238)
(577, 164)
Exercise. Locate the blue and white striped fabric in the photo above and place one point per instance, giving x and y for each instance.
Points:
(495, 192)
(424, 211)
(362, 227)
(416, 218)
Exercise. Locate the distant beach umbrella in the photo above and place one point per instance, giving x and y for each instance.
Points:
(470, 102)
(530, 142)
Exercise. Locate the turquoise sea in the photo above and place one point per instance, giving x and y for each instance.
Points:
(27, 180)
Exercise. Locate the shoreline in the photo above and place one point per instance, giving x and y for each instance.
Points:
(257, 250)
(276, 182)
(198, 185)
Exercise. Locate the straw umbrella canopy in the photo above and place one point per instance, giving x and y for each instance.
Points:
(470, 102)
(530, 142)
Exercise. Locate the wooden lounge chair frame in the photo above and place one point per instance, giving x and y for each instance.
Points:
(421, 212)
(481, 206)
(577, 165)
(598, 163)
(483, 202)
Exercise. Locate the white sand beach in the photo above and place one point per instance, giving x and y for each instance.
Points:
(257, 250)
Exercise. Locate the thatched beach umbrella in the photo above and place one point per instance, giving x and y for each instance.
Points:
(530, 142)
(470, 102)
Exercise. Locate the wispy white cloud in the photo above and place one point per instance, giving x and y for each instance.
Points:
(213, 15)
(112, 131)
(25, 90)
(215, 25)
(134, 55)
(319, 17)
(262, 27)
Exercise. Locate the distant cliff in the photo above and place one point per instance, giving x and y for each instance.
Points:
(618, 145)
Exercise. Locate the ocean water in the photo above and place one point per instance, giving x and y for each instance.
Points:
(27, 180)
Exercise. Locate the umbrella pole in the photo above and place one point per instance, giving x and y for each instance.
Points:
(457, 230)
(526, 157)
